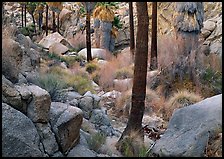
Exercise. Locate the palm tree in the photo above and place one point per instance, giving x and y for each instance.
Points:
(188, 23)
(89, 6)
(46, 29)
(153, 59)
(25, 14)
(139, 82)
(131, 22)
(31, 8)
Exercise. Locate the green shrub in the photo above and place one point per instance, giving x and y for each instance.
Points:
(96, 141)
(69, 60)
(124, 73)
(91, 67)
(80, 82)
(52, 83)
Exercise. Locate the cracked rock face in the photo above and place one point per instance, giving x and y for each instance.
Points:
(66, 123)
(190, 128)
(20, 139)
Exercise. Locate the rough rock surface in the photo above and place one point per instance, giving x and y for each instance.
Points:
(38, 108)
(11, 96)
(81, 151)
(47, 138)
(19, 135)
(66, 122)
(12, 55)
(189, 129)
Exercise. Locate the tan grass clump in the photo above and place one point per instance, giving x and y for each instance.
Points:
(105, 14)
(181, 99)
(123, 104)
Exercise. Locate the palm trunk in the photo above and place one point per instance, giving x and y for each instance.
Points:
(40, 21)
(46, 20)
(153, 59)
(139, 82)
(54, 24)
(88, 37)
(58, 30)
(22, 15)
(34, 23)
(25, 15)
(131, 22)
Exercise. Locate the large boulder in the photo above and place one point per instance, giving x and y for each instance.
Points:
(38, 108)
(102, 122)
(190, 128)
(87, 105)
(12, 96)
(46, 42)
(58, 48)
(96, 53)
(12, 55)
(19, 135)
(47, 138)
(66, 123)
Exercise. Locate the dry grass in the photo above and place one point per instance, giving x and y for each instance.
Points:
(107, 72)
(180, 99)
(214, 148)
(152, 103)
(78, 41)
(132, 146)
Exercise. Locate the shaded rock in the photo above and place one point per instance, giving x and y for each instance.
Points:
(12, 56)
(96, 99)
(38, 108)
(81, 151)
(21, 79)
(87, 105)
(102, 122)
(58, 154)
(58, 49)
(84, 137)
(73, 95)
(113, 94)
(19, 135)
(30, 61)
(24, 92)
(190, 128)
(47, 138)
(96, 53)
(11, 96)
(74, 102)
(88, 127)
(66, 123)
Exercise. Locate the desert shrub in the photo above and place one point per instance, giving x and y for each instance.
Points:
(180, 99)
(132, 146)
(78, 41)
(58, 71)
(107, 71)
(80, 82)
(123, 103)
(91, 67)
(69, 60)
(96, 141)
(52, 83)
(210, 82)
(123, 73)
(95, 77)
(214, 147)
